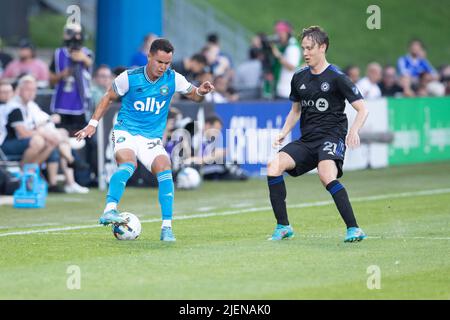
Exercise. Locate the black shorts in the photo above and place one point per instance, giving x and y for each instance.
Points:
(308, 154)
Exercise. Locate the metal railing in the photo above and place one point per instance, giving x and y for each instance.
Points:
(187, 25)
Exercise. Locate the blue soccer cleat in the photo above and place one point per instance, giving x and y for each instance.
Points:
(354, 234)
(167, 234)
(111, 216)
(282, 232)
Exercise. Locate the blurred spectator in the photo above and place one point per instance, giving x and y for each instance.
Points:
(5, 58)
(414, 63)
(353, 73)
(118, 70)
(27, 119)
(212, 162)
(219, 62)
(249, 75)
(429, 87)
(445, 78)
(70, 72)
(103, 78)
(389, 86)
(140, 58)
(288, 56)
(6, 92)
(222, 93)
(405, 83)
(27, 63)
(191, 67)
(368, 86)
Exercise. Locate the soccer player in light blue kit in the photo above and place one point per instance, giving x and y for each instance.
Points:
(146, 93)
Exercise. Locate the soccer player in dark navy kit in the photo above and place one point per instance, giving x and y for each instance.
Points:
(318, 94)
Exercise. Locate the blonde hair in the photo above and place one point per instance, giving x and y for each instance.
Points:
(25, 79)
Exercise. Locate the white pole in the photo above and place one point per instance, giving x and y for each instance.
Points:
(101, 156)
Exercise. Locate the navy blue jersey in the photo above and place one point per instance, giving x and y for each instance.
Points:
(322, 101)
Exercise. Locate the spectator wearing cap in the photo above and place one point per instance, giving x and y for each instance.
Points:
(27, 64)
(70, 73)
(288, 57)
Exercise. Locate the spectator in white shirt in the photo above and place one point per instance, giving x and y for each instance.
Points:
(368, 86)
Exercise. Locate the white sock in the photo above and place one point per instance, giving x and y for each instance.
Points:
(110, 206)
(166, 223)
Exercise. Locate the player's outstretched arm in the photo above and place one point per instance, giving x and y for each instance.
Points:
(101, 109)
(352, 139)
(198, 94)
(291, 120)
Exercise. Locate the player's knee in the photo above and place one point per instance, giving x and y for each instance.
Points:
(274, 168)
(326, 178)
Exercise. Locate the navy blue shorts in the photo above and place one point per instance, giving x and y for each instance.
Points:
(15, 147)
(308, 154)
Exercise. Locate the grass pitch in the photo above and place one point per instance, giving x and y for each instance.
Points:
(221, 250)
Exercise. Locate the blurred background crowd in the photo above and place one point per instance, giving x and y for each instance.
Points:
(31, 132)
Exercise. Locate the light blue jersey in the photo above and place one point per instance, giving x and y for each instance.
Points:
(145, 103)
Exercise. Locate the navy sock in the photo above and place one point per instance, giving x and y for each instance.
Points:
(340, 197)
(277, 190)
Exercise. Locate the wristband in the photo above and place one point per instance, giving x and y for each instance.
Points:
(93, 123)
(198, 93)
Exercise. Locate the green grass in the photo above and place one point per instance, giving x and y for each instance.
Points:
(345, 21)
(46, 30)
(227, 256)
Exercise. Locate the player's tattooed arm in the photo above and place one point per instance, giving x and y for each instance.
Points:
(291, 120)
(352, 139)
(101, 109)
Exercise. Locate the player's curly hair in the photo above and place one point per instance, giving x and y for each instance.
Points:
(317, 35)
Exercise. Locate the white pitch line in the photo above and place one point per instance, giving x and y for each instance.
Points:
(233, 212)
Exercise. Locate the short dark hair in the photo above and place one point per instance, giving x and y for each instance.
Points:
(161, 44)
(317, 35)
(212, 38)
(200, 58)
(213, 118)
(416, 40)
(102, 66)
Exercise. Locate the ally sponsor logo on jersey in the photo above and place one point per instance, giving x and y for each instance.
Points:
(150, 105)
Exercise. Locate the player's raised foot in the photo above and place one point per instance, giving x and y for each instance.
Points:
(354, 234)
(111, 216)
(282, 232)
(167, 234)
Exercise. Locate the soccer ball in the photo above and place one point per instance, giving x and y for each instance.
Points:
(129, 231)
(188, 178)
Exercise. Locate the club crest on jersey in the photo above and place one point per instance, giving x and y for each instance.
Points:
(120, 140)
(325, 86)
(321, 104)
(164, 90)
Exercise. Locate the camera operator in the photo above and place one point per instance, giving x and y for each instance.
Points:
(70, 73)
(282, 55)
